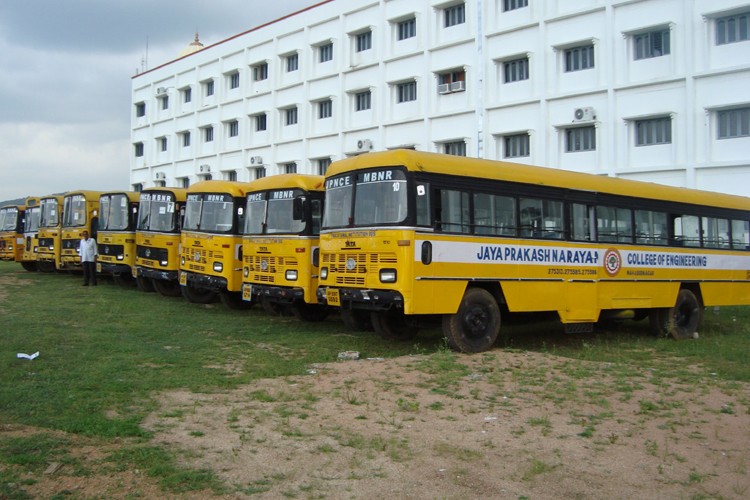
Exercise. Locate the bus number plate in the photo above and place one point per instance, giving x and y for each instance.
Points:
(98, 267)
(183, 279)
(332, 297)
(247, 292)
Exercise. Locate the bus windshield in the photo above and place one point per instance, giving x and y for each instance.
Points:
(74, 211)
(50, 216)
(8, 218)
(209, 212)
(31, 220)
(256, 213)
(381, 198)
(114, 212)
(157, 212)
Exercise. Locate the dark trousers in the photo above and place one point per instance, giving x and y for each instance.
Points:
(89, 273)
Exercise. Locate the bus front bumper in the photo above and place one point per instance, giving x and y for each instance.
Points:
(155, 274)
(203, 281)
(357, 298)
(113, 269)
(280, 294)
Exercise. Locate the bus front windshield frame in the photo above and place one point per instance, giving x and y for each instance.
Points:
(374, 197)
(32, 217)
(74, 211)
(210, 212)
(157, 212)
(272, 212)
(50, 216)
(114, 212)
(8, 219)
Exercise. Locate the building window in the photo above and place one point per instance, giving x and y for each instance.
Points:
(325, 109)
(209, 85)
(187, 95)
(165, 102)
(323, 164)
(579, 58)
(734, 28)
(452, 81)
(260, 172)
(138, 147)
(185, 139)
(260, 72)
(456, 148)
(325, 52)
(234, 80)
(453, 15)
(580, 139)
(406, 92)
(290, 116)
(208, 134)
(290, 168)
(232, 176)
(651, 44)
(140, 109)
(234, 128)
(362, 100)
(514, 4)
(734, 123)
(516, 146)
(260, 122)
(653, 131)
(185, 181)
(363, 41)
(162, 143)
(516, 70)
(292, 63)
(407, 29)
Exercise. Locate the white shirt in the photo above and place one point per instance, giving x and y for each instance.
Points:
(88, 250)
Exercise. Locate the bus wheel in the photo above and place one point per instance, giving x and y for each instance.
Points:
(391, 325)
(167, 288)
(233, 300)
(198, 295)
(124, 280)
(657, 322)
(476, 325)
(144, 284)
(686, 316)
(29, 266)
(45, 266)
(310, 312)
(272, 308)
(355, 319)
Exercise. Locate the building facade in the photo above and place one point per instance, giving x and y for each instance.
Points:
(653, 90)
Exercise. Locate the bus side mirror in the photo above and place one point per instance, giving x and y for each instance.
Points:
(298, 208)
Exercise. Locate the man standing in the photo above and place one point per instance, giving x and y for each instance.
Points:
(88, 252)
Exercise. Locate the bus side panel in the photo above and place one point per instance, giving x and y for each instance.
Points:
(725, 294)
(637, 295)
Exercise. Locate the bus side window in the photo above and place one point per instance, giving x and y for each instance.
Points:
(580, 222)
(454, 211)
(741, 234)
(423, 205)
(686, 231)
(317, 215)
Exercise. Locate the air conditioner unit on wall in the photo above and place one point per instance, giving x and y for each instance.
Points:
(160, 176)
(205, 168)
(584, 114)
(444, 88)
(161, 90)
(256, 160)
(364, 145)
(458, 86)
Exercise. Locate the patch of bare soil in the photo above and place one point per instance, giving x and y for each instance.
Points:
(498, 425)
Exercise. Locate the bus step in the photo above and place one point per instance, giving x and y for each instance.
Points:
(579, 327)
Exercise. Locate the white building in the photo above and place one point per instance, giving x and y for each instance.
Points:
(654, 90)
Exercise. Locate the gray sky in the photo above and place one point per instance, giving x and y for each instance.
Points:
(66, 69)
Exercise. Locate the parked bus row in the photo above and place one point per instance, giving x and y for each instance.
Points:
(401, 239)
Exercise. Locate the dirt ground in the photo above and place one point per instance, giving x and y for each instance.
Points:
(502, 424)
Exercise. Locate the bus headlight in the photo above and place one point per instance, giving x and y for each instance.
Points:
(387, 275)
(245, 272)
(218, 267)
(291, 275)
(182, 261)
(164, 263)
(324, 273)
(120, 257)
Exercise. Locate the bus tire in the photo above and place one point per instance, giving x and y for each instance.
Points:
(29, 266)
(273, 308)
(686, 316)
(310, 312)
(233, 300)
(124, 280)
(355, 319)
(198, 295)
(45, 266)
(392, 325)
(144, 284)
(167, 288)
(657, 322)
(476, 325)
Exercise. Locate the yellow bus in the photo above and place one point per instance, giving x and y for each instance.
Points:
(31, 218)
(280, 244)
(80, 213)
(409, 236)
(211, 249)
(118, 216)
(50, 233)
(11, 232)
(157, 259)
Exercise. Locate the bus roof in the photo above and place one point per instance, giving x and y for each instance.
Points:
(282, 181)
(32, 201)
(57, 197)
(133, 196)
(89, 195)
(234, 188)
(515, 172)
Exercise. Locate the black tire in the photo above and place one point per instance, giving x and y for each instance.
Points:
(124, 280)
(476, 325)
(29, 266)
(233, 300)
(273, 308)
(167, 288)
(392, 325)
(657, 322)
(198, 295)
(144, 284)
(355, 319)
(45, 266)
(310, 312)
(685, 317)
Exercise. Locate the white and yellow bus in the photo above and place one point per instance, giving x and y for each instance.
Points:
(118, 217)
(211, 249)
(410, 235)
(157, 261)
(31, 217)
(50, 233)
(280, 244)
(80, 213)
(11, 232)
